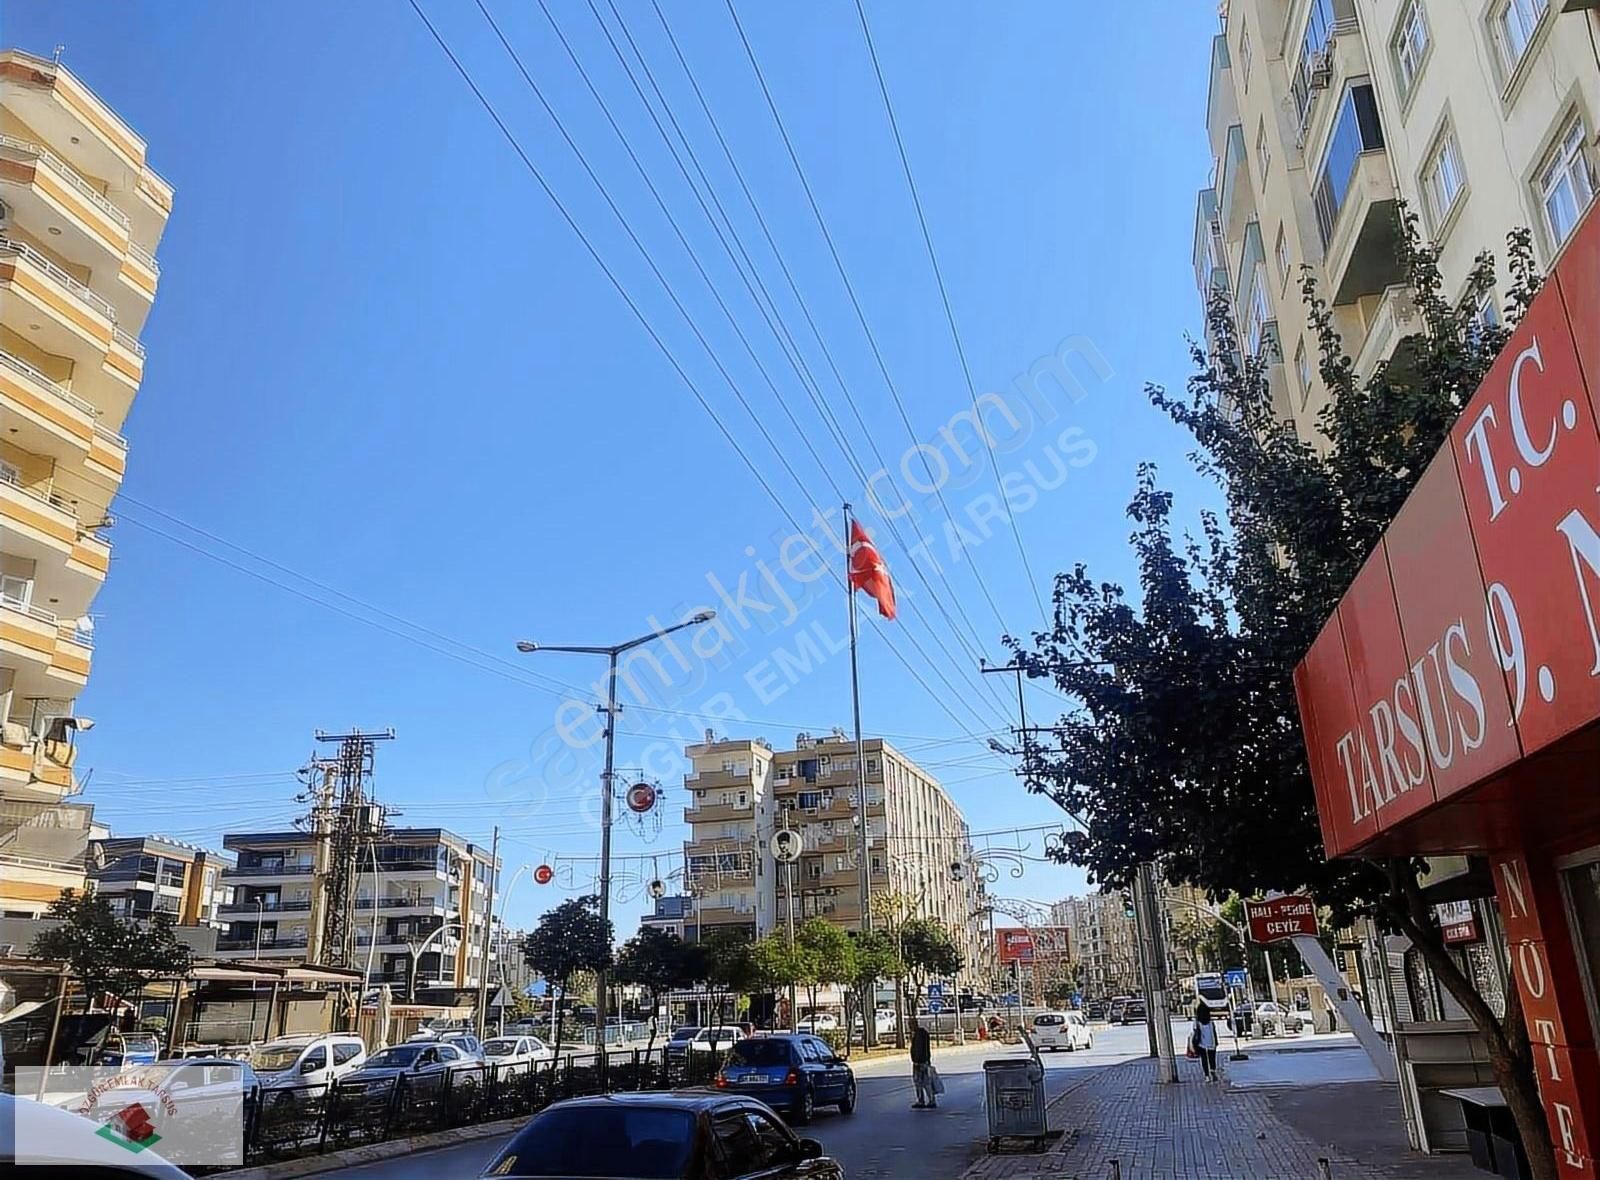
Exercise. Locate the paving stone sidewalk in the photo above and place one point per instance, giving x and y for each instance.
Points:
(1196, 1131)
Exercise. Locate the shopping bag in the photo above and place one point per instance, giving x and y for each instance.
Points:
(1192, 1050)
(935, 1082)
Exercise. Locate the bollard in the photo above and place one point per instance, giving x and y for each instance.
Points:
(1324, 1168)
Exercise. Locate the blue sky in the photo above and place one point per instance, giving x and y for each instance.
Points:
(395, 418)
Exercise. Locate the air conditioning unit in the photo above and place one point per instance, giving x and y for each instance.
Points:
(1321, 73)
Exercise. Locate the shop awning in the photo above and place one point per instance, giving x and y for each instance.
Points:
(1452, 702)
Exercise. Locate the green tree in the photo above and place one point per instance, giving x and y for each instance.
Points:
(107, 954)
(657, 961)
(929, 952)
(876, 956)
(569, 939)
(1185, 746)
(825, 956)
(727, 967)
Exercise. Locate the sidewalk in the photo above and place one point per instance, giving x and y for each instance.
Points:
(1195, 1131)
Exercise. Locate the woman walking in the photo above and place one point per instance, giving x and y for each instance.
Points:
(1203, 1037)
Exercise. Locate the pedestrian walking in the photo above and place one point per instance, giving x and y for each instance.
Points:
(922, 1069)
(1203, 1036)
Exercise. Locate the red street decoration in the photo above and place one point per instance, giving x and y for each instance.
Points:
(1281, 917)
(868, 571)
(543, 875)
(641, 798)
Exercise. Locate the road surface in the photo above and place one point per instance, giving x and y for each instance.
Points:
(884, 1138)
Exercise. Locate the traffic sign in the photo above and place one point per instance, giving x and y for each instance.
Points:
(1279, 918)
(935, 990)
(935, 1005)
(1236, 977)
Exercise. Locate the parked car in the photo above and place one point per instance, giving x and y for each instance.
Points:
(75, 1147)
(308, 1063)
(1133, 1012)
(793, 1072)
(1061, 1030)
(717, 1039)
(1115, 1009)
(883, 1019)
(515, 1055)
(414, 1059)
(125, 1049)
(662, 1137)
(1096, 1010)
(1276, 1020)
(210, 1094)
(678, 1042)
(818, 1022)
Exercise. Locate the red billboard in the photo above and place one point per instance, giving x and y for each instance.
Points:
(1278, 918)
(1025, 944)
(1471, 638)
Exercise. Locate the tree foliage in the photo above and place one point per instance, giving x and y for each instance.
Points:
(1186, 747)
(929, 950)
(569, 939)
(108, 954)
(658, 961)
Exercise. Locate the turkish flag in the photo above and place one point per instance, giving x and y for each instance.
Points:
(868, 572)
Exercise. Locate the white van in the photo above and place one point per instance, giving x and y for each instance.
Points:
(1061, 1030)
(307, 1064)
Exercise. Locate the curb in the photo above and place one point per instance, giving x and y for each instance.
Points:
(372, 1153)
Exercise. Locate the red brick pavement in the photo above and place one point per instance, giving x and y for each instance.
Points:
(1196, 1131)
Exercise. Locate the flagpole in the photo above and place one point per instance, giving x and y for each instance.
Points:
(861, 761)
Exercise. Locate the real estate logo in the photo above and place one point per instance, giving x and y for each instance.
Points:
(130, 1128)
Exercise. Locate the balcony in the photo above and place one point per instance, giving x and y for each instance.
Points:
(1393, 320)
(1222, 104)
(54, 655)
(1236, 201)
(711, 813)
(43, 416)
(268, 945)
(711, 779)
(1210, 255)
(1356, 212)
(424, 906)
(274, 906)
(70, 319)
(726, 916)
(246, 871)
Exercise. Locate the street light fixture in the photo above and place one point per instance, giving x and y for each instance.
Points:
(610, 709)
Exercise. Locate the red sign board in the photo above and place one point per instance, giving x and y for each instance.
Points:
(1457, 923)
(1281, 917)
(1023, 944)
(1471, 638)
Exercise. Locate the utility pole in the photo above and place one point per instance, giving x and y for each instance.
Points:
(488, 931)
(347, 818)
(1153, 956)
(607, 785)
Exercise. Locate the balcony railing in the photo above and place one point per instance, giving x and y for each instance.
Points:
(40, 262)
(23, 368)
(267, 944)
(48, 617)
(276, 906)
(54, 499)
(128, 341)
(21, 147)
(144, 256)
(273, 870)
(110, 436)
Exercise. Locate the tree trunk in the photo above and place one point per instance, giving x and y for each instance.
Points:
(1510, 1052)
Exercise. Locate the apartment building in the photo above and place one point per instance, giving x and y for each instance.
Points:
(1324, 114)
(419, 891)
(81, 212)
(1105, 943)
(144, 875)
(744, 791)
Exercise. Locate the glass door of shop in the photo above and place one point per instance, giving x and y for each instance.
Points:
(1580, 879)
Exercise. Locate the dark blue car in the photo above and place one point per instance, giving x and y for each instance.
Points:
(793, 1073)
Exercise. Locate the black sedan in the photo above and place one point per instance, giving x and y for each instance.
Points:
(684, 1136)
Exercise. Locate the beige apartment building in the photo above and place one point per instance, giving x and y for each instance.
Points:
(1322, 114)
(1104, 942)
(743, 791)
(81, 213)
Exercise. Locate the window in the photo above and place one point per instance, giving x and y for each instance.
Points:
(1302, 368)
(1485, 315)
(741, 1150)
(1257, 316)
(1263, 150)
(1355, 131)
(1319, 31)
(1566, 184)
(316, 1059)
(1246, 56)
(1280, 253)
(1410, 45)
(1443, 178)
(16, 592)
(344, 1051)
(1514, 22)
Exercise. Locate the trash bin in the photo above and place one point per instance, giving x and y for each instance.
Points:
(1015, 1090)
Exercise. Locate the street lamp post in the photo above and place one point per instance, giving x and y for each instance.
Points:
(610, 709)
(260, 912)
(416, 949)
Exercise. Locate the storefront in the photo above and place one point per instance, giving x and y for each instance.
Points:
(1452, 703)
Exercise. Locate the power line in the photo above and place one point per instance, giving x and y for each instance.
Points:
(644, 322)
(775, 321)
(949, 311)
(855, 301)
